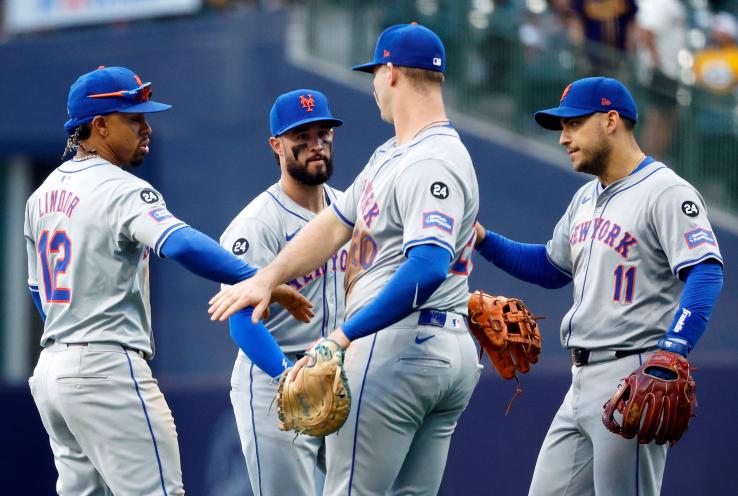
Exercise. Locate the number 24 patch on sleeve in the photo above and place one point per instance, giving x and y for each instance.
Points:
(698, 237)
(438, 220)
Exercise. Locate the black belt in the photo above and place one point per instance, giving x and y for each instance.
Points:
(582, 356)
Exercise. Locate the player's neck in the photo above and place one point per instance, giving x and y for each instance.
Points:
(621, 163)
(92, 149)
(417, 112)
(308, 197)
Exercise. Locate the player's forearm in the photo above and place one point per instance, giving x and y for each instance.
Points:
(313, 245)
(37, 301)
(411, 286)
(527, 262)
(701, 289)
(256, 342)
(204, 257)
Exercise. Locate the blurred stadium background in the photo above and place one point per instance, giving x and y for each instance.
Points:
(222, 63)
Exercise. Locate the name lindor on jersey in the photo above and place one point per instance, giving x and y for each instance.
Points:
(57, 201)
(606, 232)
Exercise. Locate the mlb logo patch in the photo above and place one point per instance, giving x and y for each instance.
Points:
(438, 220)
(437, 62)
(160, 214)
(699, 237)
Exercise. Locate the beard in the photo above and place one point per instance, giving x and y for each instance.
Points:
(300, 172)
(597, 159)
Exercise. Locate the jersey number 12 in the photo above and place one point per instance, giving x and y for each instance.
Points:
(55, 249)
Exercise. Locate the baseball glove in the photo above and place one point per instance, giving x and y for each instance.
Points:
(654, 408)
(318, 400)
(508, 332)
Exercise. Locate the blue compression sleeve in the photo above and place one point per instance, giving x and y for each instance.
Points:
(411, 286)
(37, 301)
(257, 343)
(527, 262)
(702, 285)
(204, 257)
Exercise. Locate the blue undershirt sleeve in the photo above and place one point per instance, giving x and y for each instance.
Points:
(411, 286)
(204, 257)
(257, 343)
(527, 262)
(702, 285)
(37, 301)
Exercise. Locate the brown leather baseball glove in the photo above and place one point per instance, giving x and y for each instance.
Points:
(318, 400)
(507, 331)
(654, 408)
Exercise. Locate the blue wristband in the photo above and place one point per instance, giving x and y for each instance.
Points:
(674, 346)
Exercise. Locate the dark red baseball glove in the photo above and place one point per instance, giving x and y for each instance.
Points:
(654, 408)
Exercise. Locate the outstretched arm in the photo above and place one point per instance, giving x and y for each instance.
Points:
(206, 258)
(527, 262)
(312, 246)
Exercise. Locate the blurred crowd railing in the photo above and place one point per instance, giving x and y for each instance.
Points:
(508, 58)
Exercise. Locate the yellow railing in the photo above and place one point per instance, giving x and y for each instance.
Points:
(492, 75)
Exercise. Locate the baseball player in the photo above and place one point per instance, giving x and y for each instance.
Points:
(90, 229)
(632, 240)
(411, 365)
(302, 140)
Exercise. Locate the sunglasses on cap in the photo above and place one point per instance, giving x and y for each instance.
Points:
(141, 94)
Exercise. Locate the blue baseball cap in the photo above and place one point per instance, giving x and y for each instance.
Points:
(299, 107)
(408, 45)
(587, 96)
(107, 90)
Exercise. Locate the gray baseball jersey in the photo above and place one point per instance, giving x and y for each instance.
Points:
(425, 192)
(411, 381)
(277, 462)
(258, 233)
(89, 231)
(624, 246)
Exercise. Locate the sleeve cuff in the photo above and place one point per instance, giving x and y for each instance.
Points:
(342, 217)
(432, 240)
(695, 261)
(168, 232)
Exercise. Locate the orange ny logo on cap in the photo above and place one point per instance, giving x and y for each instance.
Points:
(566, 92)
(605, 101)
(307, 102)
(386, 53)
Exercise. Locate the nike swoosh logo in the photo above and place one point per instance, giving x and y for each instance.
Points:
(585, 200)
(415, 298)
(290, 236)
(420, 340)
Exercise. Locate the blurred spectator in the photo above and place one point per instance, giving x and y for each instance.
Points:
(714, 102)
(716, 67)
(553, 44)
(608, 27)
(554, 29)
(661, 34)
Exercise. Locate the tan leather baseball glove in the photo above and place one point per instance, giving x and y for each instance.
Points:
(318, 400)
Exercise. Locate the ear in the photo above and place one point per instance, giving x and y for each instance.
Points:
(393, 74)
(100, 126)
(276, 145)
(612, 121)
